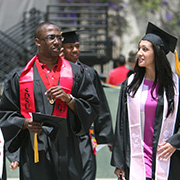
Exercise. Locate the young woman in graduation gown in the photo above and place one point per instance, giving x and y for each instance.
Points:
(147, 137)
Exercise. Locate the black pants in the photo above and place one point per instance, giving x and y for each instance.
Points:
(148, 178)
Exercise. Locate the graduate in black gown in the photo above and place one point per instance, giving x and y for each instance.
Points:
(101, 130)
(147, 135)
(53, 86)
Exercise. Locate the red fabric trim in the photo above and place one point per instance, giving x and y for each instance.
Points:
(27, 103)
(66, 83)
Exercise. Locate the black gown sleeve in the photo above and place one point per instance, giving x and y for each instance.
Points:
(175, 139)
(11, 120)
(86, 101)
(103, 123)
(121, 146)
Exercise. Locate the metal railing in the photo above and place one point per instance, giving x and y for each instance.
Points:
(17, 43)
(91, 22)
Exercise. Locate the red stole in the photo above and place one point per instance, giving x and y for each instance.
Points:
(26, 87)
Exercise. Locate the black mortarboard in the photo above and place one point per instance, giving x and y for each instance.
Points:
(52, 121)
(161, 38)
(70, 37)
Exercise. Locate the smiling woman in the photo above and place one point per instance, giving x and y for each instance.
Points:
(147, 128)
(146, 59)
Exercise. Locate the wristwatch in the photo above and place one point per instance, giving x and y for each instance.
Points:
(72, 99)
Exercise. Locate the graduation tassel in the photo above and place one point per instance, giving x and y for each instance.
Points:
(177, 64)
(36, 153)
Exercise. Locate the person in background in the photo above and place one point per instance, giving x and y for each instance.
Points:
(118, 74)
(132, 57)
(49, 87)
(147, 135)
(101, 130)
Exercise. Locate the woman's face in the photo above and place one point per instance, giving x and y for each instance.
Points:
(145, 54)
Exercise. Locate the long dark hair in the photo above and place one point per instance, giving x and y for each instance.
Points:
(163, 76)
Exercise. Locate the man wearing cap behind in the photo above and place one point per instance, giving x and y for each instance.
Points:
(45, 108)
(147, 137)
(101, 130)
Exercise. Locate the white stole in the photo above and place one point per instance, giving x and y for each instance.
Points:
(1, 153)
(137, 165)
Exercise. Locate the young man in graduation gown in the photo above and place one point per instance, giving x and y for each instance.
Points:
(101, 130)
(53, 86)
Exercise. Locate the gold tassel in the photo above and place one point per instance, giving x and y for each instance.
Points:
(36, 153)
(177, 64)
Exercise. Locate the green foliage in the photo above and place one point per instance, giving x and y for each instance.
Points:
(147, 6)
(167, 10)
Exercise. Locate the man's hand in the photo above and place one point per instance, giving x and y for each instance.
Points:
(110, 146)
(33, 127)
(56, 92)
(14, 165)
(120, 173)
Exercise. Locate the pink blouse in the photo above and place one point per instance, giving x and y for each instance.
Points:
(149, 114)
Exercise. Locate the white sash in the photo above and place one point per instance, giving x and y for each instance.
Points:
(137, 166)
(1, 153)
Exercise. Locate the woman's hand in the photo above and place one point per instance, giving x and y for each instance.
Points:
(165, 151)
(120, 173)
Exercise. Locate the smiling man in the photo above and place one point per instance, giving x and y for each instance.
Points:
(101, 130)
(52, 86)
(71, 46)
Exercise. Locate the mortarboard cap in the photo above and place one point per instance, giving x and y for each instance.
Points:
(161, 38)
(52, 121)
(49, 124)
(70, 37)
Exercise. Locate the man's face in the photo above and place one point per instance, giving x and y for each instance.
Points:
(50, 41)
(71, 51)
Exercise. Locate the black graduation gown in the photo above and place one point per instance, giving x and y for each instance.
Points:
(102, 128)
(121, 149)
(59, 157)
